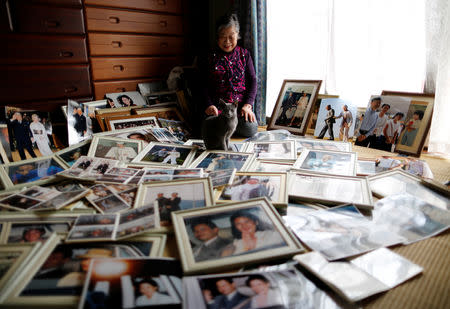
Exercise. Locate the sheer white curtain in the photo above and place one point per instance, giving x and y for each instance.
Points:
(438, 72)
(357, 47)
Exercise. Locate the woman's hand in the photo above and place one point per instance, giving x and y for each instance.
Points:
(212, 111)
(247, 113)
(249, 241)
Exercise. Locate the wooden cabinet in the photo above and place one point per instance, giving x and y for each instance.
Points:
(112, 44)
(132, 41)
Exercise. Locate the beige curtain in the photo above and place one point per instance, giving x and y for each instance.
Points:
(438, 72)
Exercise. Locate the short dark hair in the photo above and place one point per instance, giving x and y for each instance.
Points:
(419, 113)
(385, 104)
(119, 99)
(205, 221)
(255, 277)
(149, 281)
(375, 99)
(228, 279)
(246, 214)
(399, 114)
(65, 250)
(38, 228)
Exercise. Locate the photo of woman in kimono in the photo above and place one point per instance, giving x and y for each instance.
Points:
(40, 136)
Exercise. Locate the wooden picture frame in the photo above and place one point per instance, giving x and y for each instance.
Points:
(289, 100)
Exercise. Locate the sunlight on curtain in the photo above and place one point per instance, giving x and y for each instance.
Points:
(357, 47)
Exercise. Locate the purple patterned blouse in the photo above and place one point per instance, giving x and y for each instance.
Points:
(231, 76)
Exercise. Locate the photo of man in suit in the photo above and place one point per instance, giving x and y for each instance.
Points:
(23, 135)
(229, 298)
(212, 245)
(329, 121)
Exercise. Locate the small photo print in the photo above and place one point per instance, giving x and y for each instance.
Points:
(132, 283)
(71, 156)
(126, 99)
(177, 128)
(111, 204)
(125, 123)
(95, 220)
(245, 187)
(115, 149)
(33, 171)
(18, 201)
(91, 232)
(33, 232)
(232, 233)
(330, 162)
(223, 161)
(166, 154)
(137, 220)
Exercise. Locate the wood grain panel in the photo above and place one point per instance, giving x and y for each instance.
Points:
(170, 6)
(39, 82)
(134, 22)
(123, 68)
(103, 44)
(39, 49)
(102, 88)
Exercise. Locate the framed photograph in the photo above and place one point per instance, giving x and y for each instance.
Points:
(170, 196)
(112, 198)
(167, 174)
(72, 153)
(118, 175)
(91, 107)
(360, 111)
(5, 150)
(125, 99)
(138, 283)
(293, 108)
(325, 161)
(166, 154)
(256, 289)
(169, 113)
(93, 228)
(163, 135)
(137, 221)
(368, 167)
(102, 114)
(12, 258)
(30, 172)
(398, 181)
(28, 232)
(59, 280)
(124, 122)
(402, 126)
(221, 178)
(330, 189)
(231, 248)
(248, 185)
(143, 133)
(177, 128)
(161, 98)
(271, 166)
(77, 123)
(114, 148)
(153, 86)
(213, 160)
(304, 143)
(342, 124)
(272, 150)
(315, 112)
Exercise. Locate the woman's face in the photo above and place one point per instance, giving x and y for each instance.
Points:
(259, 286)
(245, 225)
(227, 40)
(126, 101)
(147, 289)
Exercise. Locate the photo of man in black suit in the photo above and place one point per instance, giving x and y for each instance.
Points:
(22, 134)
(329, 121)
(229, 298)
(80, 121)
(212, 245)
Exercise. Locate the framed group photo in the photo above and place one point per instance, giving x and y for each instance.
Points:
(129, 121)
(293, 108)
(217, 238)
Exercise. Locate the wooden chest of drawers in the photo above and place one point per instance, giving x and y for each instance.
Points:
(166, 6)
(100, 88)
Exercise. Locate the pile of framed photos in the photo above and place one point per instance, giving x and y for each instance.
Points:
(87, 224)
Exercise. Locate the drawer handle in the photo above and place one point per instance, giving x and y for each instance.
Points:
(164, 44)
(66, 54)
(163, 23)
(52, 23)
(114, 20)
(70, 90)
(120, 89)
(162, 2)
(118, 68)
(116, 44)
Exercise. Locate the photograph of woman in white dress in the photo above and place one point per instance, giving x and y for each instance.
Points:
(265, 296)
(40, 136)
(150, 294)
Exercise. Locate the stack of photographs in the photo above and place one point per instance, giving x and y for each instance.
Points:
(41, 198)
(89, 168)
(104, 227)
(112, 198)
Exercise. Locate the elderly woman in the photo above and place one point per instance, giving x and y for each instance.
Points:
(250, 234)
(231, 76)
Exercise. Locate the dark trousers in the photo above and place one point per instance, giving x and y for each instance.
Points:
(28, 147)
(329, 127)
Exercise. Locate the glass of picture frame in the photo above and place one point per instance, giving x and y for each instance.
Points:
(165, 154)
(273, 150)
(316, 144)
(232, 250)
(214, 160)
(123, 150)
(329, 162)
(330, 189)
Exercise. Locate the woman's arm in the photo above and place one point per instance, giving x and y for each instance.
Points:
(250, 92)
